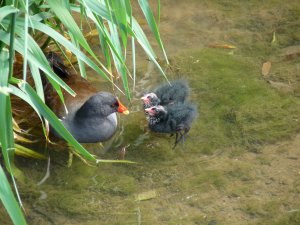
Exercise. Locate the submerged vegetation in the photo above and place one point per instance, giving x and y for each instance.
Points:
(240, 162)
(241, 108)
(28, 28)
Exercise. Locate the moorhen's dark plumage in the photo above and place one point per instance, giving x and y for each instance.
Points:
(166, 94)
(90, 116)
(174, 119)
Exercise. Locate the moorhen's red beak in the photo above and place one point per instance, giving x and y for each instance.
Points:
(122, 108)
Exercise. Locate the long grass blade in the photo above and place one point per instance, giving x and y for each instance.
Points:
(28, 153)
(120, 15)
(120, 68)
(6, 134)
(95, 12)
(7, 144)
(36, 75)
(59, 9)
(25, 40)
(37, 57)
(67, 44)
(141, 38)
(6, 10)
(8, 199)
(114, 34)
(133, 61)
(152, 24)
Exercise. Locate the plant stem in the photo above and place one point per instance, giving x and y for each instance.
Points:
(11, 45)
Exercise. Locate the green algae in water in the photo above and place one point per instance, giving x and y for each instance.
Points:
(236, 106)
(238, 111)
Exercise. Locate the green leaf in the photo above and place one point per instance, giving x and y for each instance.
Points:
(59, 9)
(94, 12)
(96, 6)
(152, 24)
(133, 61)
(143, 41)
(6, 10)
(35, 73)
(119, 65)
(7, 144)
(80, 62)
(28, 153)
(6, 134)
(67, 44)
(9, 201)
(17, 92)
(37, 57)
(120, 15)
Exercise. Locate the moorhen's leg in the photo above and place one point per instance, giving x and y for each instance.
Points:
(178, 139)
(186, 130)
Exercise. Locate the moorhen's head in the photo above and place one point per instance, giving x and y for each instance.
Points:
(101, 104)
(150, 99)
(156, 111)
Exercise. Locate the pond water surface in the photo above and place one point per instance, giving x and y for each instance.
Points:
(240, 162)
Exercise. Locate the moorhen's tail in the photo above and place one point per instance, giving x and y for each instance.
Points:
(59, 68)
(57, 65)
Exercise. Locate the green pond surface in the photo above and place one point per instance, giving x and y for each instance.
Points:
(240, 163)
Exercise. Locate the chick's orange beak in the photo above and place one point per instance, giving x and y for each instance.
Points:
(122, 108)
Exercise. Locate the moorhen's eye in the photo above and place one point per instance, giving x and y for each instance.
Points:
(114, 105)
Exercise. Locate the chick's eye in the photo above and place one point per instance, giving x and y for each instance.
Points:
(148, 96)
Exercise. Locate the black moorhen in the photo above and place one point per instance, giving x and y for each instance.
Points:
(167, 94)
(90, 116)
(175, 119)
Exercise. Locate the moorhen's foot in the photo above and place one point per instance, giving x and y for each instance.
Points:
(178, 138)
(182, 136)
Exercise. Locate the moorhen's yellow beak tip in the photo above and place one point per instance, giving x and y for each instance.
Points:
(126, 112)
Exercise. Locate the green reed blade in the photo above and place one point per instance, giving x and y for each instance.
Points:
(7, 145)
(9, 201)
(7, 10)
(152, 24)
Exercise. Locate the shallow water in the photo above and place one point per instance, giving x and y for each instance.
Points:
(240, 162)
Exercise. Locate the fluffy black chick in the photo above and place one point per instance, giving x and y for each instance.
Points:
(174, 119)
(166, 94)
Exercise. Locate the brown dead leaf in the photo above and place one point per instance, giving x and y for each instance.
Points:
(291, 52)
(146, 195)
(282, 87)
(265, 70)
(92, 33)
(225, 46)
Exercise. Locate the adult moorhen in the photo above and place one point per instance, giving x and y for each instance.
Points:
(166, 94)
(90, 116)
(175, 119)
